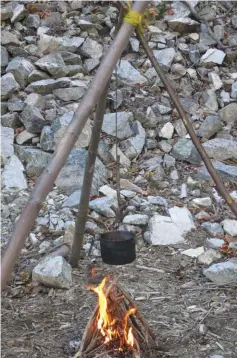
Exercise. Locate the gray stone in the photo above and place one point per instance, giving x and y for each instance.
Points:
(178, 70)
(234, 90)
(59, 127)
(124, 161)
(184, 25)
(209, 127)
(8, 86)
(46, 43)
(214, 243)
(70, 44)
(54, 64)
(126, 184)
(209, 256)
(20, 68)
(103, 206)
(210, 100)
(92, 49)
(134, 44)
(213, 56)
(227, 172)
(221, 149)
(70, 58)
(232, 39)
(180, 128)
(53, 271)
(10, 120)
(35, 159)
(157, 200)
(4, 57)
(74, 69)
(70, 177)
(194, 252)
(35, 100)
(12, 176)
(219, 31)
(7, 138)
(151, 119)
(165, 57)
(70, 94)
(167, 131)
(162, 231)
(165, 146)
(234, 21)
(24, 137)
(90, 64)
(180, 10)
(6, 12)
(37, 75)
(215, 80)
(123, 129)
(33, 21)
(228, 114)
(19, 12)
(127, 72)
(108, 191)
(47, 139)
(9, 38)
(48, 86)
(184, 149)
(134, 145)
(223, 273)
(230, 226)
(112, 96)
(169, 161)
(205, 41)
(32, 119)
(15, 105)
(4, 109)
(73, 200)
(136, 219)
(213, 228)
(203, 202)
(182, 218)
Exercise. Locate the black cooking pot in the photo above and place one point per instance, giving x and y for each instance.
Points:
(117, 247)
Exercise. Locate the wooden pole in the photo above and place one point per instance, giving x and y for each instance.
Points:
(215, 176)
(49, 175)
(87, 180)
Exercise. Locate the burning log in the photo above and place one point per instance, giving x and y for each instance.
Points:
(116, 327)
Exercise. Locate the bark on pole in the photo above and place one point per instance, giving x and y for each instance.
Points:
(49, 175)
(87, 180)
(215, 176)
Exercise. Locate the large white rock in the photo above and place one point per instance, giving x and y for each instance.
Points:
(223, 273)
(53, 272)
(163, 231)
(194, 252)
(7, 138)
(214, 56)
(13, 176)
(136, 219)
(230, 226)
(182, 218)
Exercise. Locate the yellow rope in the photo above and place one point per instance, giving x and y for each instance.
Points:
(135, 18)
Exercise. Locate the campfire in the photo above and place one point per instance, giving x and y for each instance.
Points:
(116, 327)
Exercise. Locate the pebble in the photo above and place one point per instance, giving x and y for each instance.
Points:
(202, 202)
(213, 228)
(222, 273)
(230, 227)
(136, 219)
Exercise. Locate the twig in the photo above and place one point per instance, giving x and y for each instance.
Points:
(150, 268)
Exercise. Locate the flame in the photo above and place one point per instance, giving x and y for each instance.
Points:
(110, 326)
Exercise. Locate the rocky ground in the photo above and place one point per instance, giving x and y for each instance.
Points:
(185, 274)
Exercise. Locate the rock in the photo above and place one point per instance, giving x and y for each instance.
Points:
(184, 25)
(8, 38)
(33, 21)
(37, 75)
(157, 200)
(54, 64)
(73, 199)
(124, 129)
(91, 63)
(128, 193)
(182, 218)
(70, 44)
(127, 72)
(203, 202)
(15, 105)
(234, 90)
(134, 145)
(8, 86)
(215, 80)
(232, 39)
(7, 138)
(227, 172)
(47, 139)
(167, 131)
(53, 272)
(180, 10)
(35, 100)
(210, 100)
(165, 57)
(19, 12)
(169, 161)
(180, 128)
(213, 228)
(108, 191)
(71, 175)
(70, 94)
(151, 119)
(165, 146)
(174, 175)
(32, 119)
(162, 231)
(134, 44)
(230, 226)
(6, 13)
(184, 149)
(4, 57)
(178, 70)
(48, 86)
(209, 256)
(92, 49)
(24, 137)
(13, 177)
(126, 184)
(112, 97)
(103, 206)
(228, 114)
(222, 273)
(136, 219)
(194, 252)
(10, 120)
(213, 56)
(214, 243)
(35, 159)
(209, 127)
(221, 149)
(124, 161)
(59, 127)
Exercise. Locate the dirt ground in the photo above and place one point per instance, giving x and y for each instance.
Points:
(190, 316)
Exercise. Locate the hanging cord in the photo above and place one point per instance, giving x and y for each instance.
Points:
(118, 218)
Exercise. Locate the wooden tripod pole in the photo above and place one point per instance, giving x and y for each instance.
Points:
(215, 176)
(49, 175)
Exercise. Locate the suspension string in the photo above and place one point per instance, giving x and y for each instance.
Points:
(116, 146)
